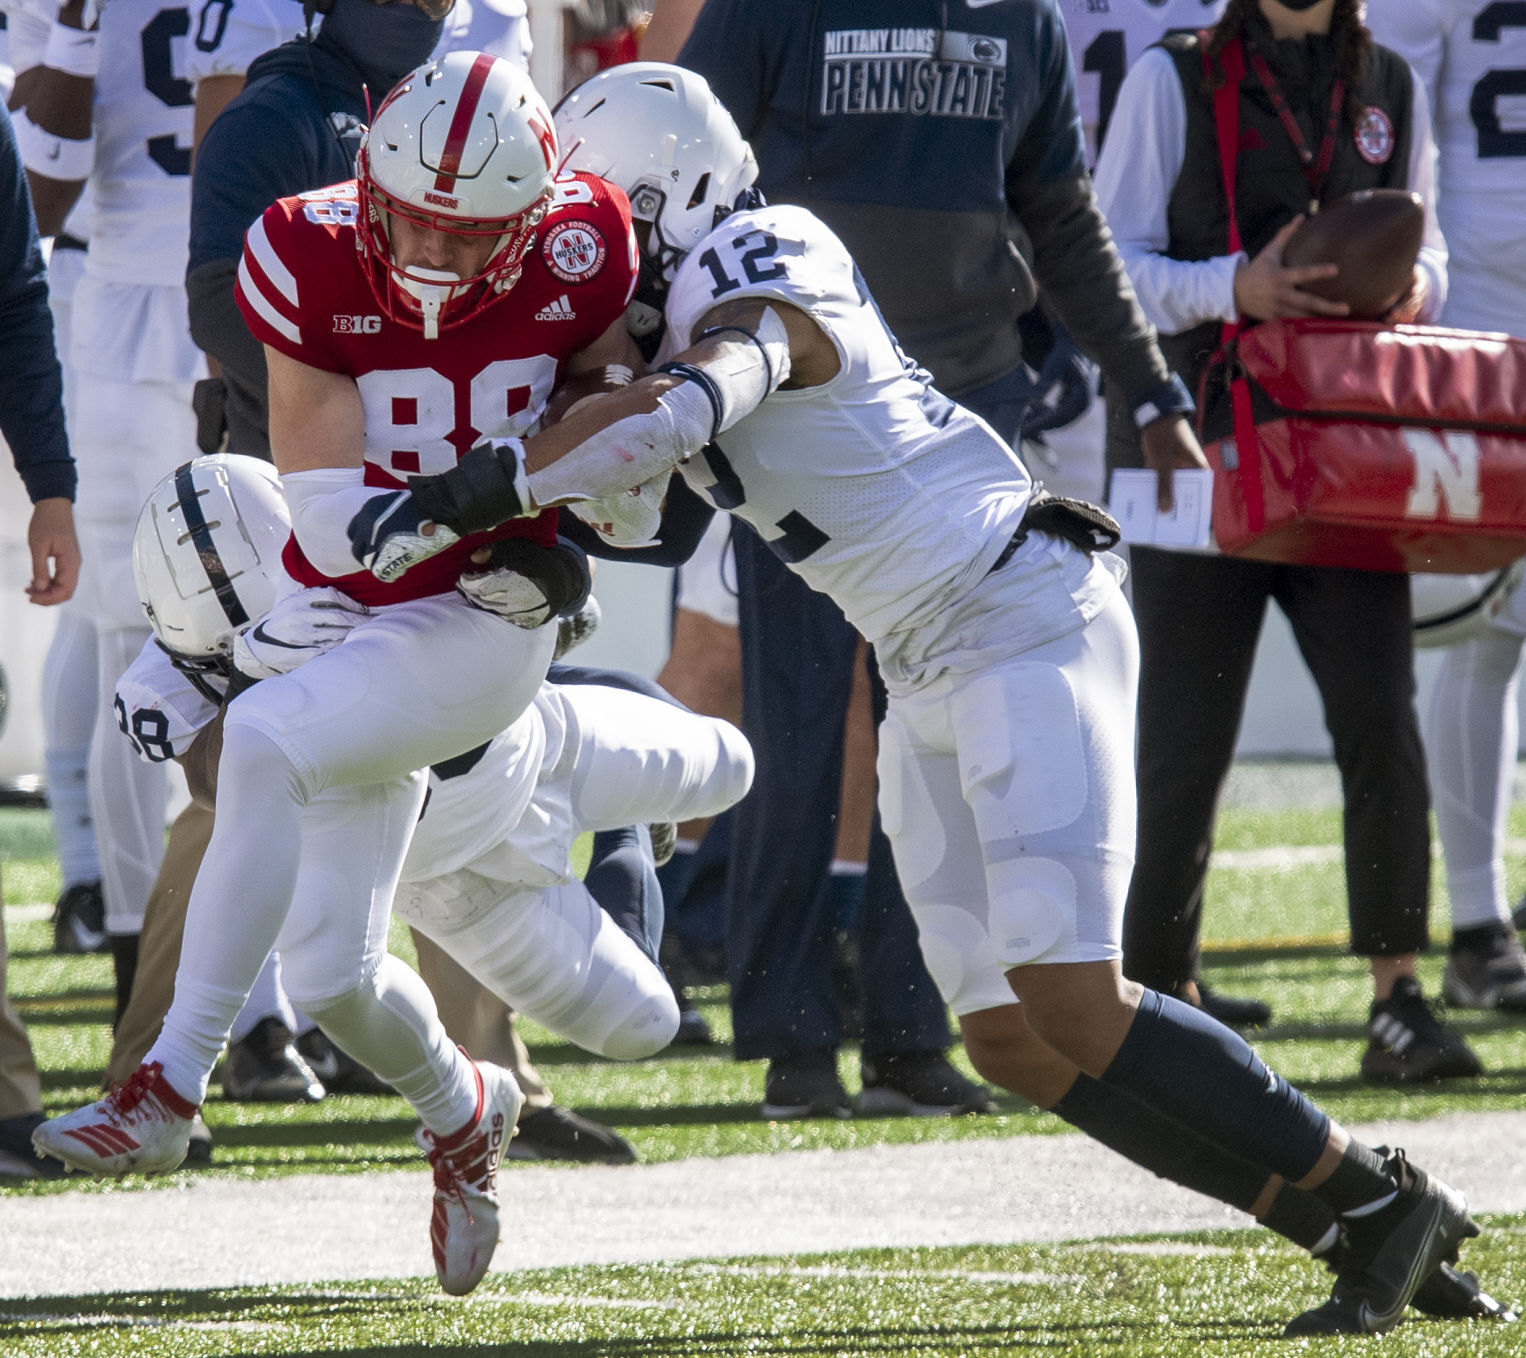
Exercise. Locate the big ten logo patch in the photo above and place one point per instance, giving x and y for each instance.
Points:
(574, 251)
(1446, 471)
(357, 325)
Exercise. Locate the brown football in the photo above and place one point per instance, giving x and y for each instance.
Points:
(1374, 238)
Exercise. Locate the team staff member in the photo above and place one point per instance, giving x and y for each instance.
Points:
(1356, 119)
(32, 422)
(942, 143)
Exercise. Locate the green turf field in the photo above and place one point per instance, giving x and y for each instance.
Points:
(1208, 1295)
(1273, 931)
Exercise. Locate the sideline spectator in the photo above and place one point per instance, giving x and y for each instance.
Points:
(956, 214)
(32, 421)
(1159, 181)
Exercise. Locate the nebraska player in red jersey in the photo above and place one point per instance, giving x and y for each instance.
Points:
(423, 310)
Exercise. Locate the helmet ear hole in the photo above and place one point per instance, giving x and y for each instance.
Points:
(700, 190)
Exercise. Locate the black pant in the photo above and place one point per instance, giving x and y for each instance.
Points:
(797, 674)
(1199, 618)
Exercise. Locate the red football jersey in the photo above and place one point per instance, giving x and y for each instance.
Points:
(302, 291)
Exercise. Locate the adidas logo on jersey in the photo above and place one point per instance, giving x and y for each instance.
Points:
(559, 310)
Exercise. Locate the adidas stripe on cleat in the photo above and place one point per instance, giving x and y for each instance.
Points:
(141, 1127)
(463, 1228)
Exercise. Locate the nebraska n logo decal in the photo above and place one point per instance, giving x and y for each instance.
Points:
(1446, 469)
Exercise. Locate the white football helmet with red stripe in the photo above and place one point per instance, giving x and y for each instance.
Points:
(465, 144)
(660, 134)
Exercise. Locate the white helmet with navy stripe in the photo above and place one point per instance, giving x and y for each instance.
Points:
(206, 554)
(660, 134)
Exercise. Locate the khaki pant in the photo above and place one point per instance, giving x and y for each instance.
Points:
(20, 1089)
(474, 1018)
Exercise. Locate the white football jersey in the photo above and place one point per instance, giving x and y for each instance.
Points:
(142, 175)
(227, 35)
(875, 488)
(158, 708)
(1106, 38)
(1472, 56)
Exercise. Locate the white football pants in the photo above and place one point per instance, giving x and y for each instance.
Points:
(550, 952)
(317, 798)
(1008, 797)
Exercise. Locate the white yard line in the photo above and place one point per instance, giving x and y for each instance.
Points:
(200, 1233)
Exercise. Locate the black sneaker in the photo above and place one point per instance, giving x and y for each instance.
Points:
(18, 1158)
(1408, 1044)
(918, 1085)
(339, 1072)
(1519, 917)
(804, 1087)
(1233, 1011)
(1388, 1254)
(553, 1133)
(1486, 970)
(264, 1067)
(79, 920)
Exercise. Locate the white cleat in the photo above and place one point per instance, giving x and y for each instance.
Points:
(463, 1229)
(141, 1127)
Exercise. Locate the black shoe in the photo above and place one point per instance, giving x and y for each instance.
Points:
(1233, 1011)
(554, 1133)
(693, 1026)
(79, 920)
(198, 1152)
(804, 1087)
(918, 1085)
(1408, 1044)
(339, 1072)
(1486, 970)
(1387, 1255)
(264, 1067)
(18, 1159)
(1451, 1295)
(1519, 917)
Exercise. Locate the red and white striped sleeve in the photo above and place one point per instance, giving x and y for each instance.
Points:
(268, 292)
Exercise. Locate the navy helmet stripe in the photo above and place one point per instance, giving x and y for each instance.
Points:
(206, 549)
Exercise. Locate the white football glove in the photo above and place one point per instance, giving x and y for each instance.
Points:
(629, 519)
(508, 594)
(299, 627)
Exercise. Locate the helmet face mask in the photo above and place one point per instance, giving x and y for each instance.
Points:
(660, 134)
(462, 146)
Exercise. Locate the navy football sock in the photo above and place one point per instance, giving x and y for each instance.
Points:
(1192, 1069)
(1164, 1147)
(622, 879)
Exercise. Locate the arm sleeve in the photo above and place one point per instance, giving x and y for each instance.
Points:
(1074, 258)
(1422, 179)
(218, 327)
(1136, 174)
(31, 383)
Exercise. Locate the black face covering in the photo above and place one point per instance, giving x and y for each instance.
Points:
(386, 41)
(1298, 6)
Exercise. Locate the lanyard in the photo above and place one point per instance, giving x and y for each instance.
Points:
(1313, 170)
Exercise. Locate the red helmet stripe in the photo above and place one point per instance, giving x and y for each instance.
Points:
(461, 121)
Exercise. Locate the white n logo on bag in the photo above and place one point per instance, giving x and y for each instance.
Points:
(1446, 468)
